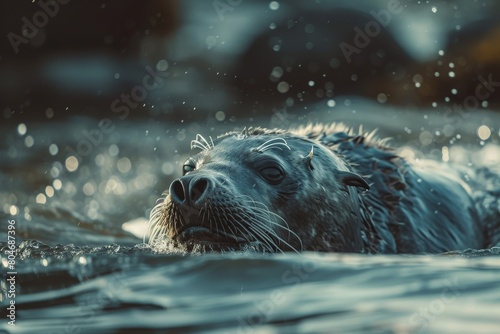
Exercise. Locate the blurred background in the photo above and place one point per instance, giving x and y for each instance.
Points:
(99, 100)
(246, 58)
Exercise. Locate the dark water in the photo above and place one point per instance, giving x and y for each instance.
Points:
(82, 268)
(116, 289)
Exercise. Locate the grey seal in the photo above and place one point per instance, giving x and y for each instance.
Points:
(315, 188)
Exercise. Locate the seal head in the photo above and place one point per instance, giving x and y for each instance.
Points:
(261, 189)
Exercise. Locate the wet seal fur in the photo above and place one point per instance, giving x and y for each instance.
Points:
(319, 188)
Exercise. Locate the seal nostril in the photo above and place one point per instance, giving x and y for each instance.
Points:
(198, 189)
(177, 191)
(189, 190)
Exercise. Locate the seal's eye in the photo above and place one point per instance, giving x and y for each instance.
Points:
(187, 168)
(273, 175)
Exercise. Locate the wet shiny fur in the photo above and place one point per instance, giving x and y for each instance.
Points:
(306, 189)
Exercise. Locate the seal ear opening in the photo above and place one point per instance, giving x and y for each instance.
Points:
(309, 159)
(352, 179)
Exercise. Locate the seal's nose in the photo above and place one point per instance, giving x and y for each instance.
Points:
(190, 190)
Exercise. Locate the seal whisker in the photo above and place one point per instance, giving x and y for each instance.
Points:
(177, 216)
(273, 233)
(197, 144)
(286, 229)
(271, 244)
(234, 221)
(263, 207)
(250, 236)
(218, 222)
(201, 143)
(265, 238)
(156, 220)
(213, 217)
(157, 231)
(268, 230)
(153, 222)
(199, 212)
(273, 143)
(265, 230)
(270, 146)
(207, 144)
(265, 210)
(205, 213)
(229, 224)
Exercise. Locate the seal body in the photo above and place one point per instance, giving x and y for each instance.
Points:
(317, 188)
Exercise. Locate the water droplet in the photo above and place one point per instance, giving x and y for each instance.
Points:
(29, 141)
(162, 65)
(123, 165)
(445, 153)
(13, 210)
(113, 150)
(41, 199)
(71, 163)
(484, 132)
(49, 112)
(426, 138)
(274, 5)
(57, 184)
(276, 73)
(21, 129)
(220, 116)
(53, 149)
(88, 189)
(283, 87)
(417, 78)
(382, 98)
(49, 191)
